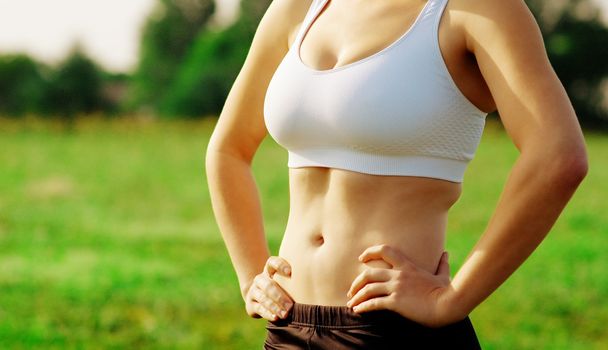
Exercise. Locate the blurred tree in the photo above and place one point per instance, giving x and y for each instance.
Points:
(114, 92)
(75, 87)
(168, 34)
(22, 86)
(577, 44)
(203, 82)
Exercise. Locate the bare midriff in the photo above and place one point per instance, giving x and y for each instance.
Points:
(336, 214)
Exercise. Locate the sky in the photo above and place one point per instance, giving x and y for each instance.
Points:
(109, 30)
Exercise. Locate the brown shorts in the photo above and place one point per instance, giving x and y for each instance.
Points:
(338, 327)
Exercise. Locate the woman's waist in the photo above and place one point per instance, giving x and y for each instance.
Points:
(334, 225)
(324, 254)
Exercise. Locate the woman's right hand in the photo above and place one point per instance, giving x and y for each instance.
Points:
(265, 298)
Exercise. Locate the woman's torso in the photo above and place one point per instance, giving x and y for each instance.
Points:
(336, 214)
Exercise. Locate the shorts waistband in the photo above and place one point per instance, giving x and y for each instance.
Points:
(341, 317)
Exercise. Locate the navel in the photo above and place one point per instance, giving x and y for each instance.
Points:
(318, 239)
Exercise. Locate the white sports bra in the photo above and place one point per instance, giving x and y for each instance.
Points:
(396, 112)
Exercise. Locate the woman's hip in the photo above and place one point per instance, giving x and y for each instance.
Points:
(338, 327)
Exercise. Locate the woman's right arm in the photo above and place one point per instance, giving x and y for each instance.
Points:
(238, 133)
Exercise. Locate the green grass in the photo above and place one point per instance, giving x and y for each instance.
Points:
(107, 240)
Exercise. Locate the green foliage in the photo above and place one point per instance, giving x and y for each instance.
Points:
(75, 87)
(108, 241)
(204, 79)
(167, 36)
(22, 85)
(577, 44)
(570, 45)
(114, 91)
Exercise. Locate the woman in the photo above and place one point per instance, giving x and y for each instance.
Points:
(381, 105)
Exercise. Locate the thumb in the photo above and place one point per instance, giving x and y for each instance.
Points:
(276, 264)
(444, 267)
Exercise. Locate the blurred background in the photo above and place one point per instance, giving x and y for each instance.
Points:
(107, 239)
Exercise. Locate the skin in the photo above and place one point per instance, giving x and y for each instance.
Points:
(377, 242)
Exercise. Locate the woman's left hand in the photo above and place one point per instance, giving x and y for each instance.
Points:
(405, 288)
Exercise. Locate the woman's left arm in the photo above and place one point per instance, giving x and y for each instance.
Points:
(538, 116)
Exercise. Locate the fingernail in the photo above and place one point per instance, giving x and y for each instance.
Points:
(283, 313)
(286, 269)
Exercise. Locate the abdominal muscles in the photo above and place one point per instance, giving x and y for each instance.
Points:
(336, 214)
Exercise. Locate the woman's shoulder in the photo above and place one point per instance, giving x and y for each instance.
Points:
(291, 12)
(283, 18)
(496, 26)
(504, 15)
(294, 9)
(509, 49)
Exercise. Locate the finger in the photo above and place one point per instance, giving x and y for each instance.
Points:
(258, 308)
(273, 292)
(372, 290)
(385, 252)
(260, 297)
(379, 303)
(262, 311)
(280, 298)
(368, 276)
(276, 264)
(444, 267)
